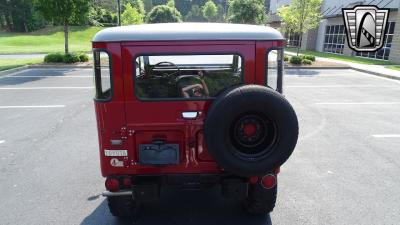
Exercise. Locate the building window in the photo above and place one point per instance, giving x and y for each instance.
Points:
(384, 52)
(334, 39)
(293, 40)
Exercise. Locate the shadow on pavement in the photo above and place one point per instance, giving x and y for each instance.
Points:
(30, 75)
(302, 72)
(177, 207)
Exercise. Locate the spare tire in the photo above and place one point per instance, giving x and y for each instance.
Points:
(250, 130)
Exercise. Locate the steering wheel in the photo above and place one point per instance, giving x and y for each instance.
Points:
(166, 75)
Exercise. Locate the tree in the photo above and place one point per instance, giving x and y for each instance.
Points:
(148, 5)
(131, 15)
(210, 11)
(64, 12)
(195, 14)
(247, 12)
(163, 14)
(301, 16)
(20, 15)
(220, 13)
(183, 6)
(99, 16)
(171, 3)
(139, 6)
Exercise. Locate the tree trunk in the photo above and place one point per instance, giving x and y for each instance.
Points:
(299, 45)
(66, 36)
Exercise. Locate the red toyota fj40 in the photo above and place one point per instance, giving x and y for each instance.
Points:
(193, 105)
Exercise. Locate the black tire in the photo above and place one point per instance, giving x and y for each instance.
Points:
(260, 200)
(122, 206)
(276, 130)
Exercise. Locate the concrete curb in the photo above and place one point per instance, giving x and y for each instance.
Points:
(346, 67)
(376, 73)
(318, 67)
(41, 66)
(13, 70)
(59, 66)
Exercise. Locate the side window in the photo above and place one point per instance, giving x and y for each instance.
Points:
(274, 68)
(102, 75)
(185, 76)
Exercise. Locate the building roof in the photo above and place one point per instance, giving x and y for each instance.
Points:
(187, 31)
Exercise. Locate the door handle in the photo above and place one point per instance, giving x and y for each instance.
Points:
(190, 115)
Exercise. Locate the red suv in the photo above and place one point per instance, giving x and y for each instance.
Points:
(192, 105)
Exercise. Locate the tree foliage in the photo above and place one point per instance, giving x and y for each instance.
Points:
(171, 3)
(64, 12)
(20, 16)
(210, 11)
(137, 4)
(300, 16)
(195, 15)
(131, 15)
(163, 14)
(99, 16)
(247, 11)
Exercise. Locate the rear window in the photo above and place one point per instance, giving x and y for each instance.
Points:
(102, 75)
(186, 76)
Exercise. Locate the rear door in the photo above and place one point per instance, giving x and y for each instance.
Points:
(169, 87)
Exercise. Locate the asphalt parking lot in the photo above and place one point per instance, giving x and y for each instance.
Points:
(345, 169)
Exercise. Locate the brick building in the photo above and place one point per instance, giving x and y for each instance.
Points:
(330, 35)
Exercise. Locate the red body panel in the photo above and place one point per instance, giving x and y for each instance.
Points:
(136, 122)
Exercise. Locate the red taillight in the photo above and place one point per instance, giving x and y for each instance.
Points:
(127, 182)
(268, 181)
(112, 184)
(253, 179)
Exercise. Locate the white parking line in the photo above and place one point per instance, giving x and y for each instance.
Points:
(2, 141)
(41, 76)
(341, 86)
(40, 88)
(30, 106)
(386, 135)
(357, 103)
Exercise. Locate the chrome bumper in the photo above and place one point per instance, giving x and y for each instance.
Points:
(119, 193)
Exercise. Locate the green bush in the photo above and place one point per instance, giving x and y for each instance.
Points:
(66, 58)
(295, 60)
(71, 58)
(54, 57)
(83, 57)
(309, 57)
(163, 14)
(307, 62)
(285, 58)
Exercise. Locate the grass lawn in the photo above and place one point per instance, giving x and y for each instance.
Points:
(342, 57)
(50, 39)
(394, 67)
(6, 64)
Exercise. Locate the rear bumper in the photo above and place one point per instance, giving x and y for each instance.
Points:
(119, 193)
(148, 188)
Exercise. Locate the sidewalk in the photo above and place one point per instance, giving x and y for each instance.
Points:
(378, 70)
(28, 55)
(22, 56)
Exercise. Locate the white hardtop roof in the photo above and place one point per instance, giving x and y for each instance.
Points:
(187, 31)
